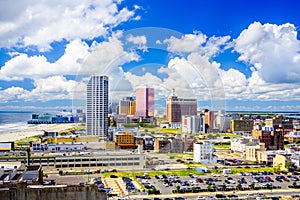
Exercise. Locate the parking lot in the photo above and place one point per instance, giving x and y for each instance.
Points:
(191, 184)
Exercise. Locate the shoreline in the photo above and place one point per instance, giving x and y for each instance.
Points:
(33, 131)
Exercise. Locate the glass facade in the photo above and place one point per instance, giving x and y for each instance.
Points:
(145, 102)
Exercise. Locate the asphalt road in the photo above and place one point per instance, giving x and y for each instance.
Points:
(241, 194)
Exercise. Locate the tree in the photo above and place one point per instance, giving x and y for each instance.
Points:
(294, 184)
(252, 186)
(239, 186)
(177, 188)
(288, 164)
(224, 187)
(209, 187)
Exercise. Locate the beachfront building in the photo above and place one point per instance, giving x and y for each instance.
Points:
(47, 118)
(204, 152)
(177, 107)
(145, 102)
(97, 106)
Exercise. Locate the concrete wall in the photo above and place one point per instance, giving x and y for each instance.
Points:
(22, 192)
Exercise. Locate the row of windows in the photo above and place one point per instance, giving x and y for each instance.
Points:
(51, 160)
(96, 165)
(64, 165)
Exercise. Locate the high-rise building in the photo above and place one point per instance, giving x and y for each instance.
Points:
(127, 106)
(209, 119)
(176, 107)
(97, 106)
(145, 102)
(193, 124)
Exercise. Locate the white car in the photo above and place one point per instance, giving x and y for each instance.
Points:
(200, 198)
(250, 195)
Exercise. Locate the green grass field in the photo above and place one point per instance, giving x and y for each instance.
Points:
(184, 172)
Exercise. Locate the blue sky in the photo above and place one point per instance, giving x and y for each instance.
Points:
(236, 55)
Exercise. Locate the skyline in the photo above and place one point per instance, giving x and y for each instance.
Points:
(228, 54)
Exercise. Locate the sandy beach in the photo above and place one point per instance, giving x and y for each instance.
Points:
(33, 131)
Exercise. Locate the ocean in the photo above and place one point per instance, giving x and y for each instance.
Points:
(14, 120)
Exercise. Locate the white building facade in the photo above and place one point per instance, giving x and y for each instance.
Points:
(204, 152)
(66, 147)
(193, 124)
(239, 144)
(97, 106)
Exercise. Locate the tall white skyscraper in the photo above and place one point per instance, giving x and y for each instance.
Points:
(97, 106)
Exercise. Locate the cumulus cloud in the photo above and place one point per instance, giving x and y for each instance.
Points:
(107, 55)
(196, 42)
(46, 89)
(12, 94)
(39, 23)
(187, 43)
(140, 41)
(78, 59)
(24, 66)
(272, 50)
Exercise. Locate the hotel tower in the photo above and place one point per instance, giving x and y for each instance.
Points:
(177, 107)
(97, 106)
(144, 102)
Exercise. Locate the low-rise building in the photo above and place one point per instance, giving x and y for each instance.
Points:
(176, 145)
(204, 152)
(162, 145)
(239, 144)
(280, 162)
(295, 158)
(66, 147)
(242, 127)
(125, 140)
(259, 154)
(188, 145)
(255, 153)
(104, 160)
(293, 136)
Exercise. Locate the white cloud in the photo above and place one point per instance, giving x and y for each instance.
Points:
(273, 50)
(106, 56)
(214, 45)
(24, 66)
(187, 43)
(53, 88)
(196, 42)
(78, 59)
(235, 83)
(140, 41)
(39, 23)
(12, 94)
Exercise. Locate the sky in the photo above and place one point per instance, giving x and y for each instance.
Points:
(229, 54)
